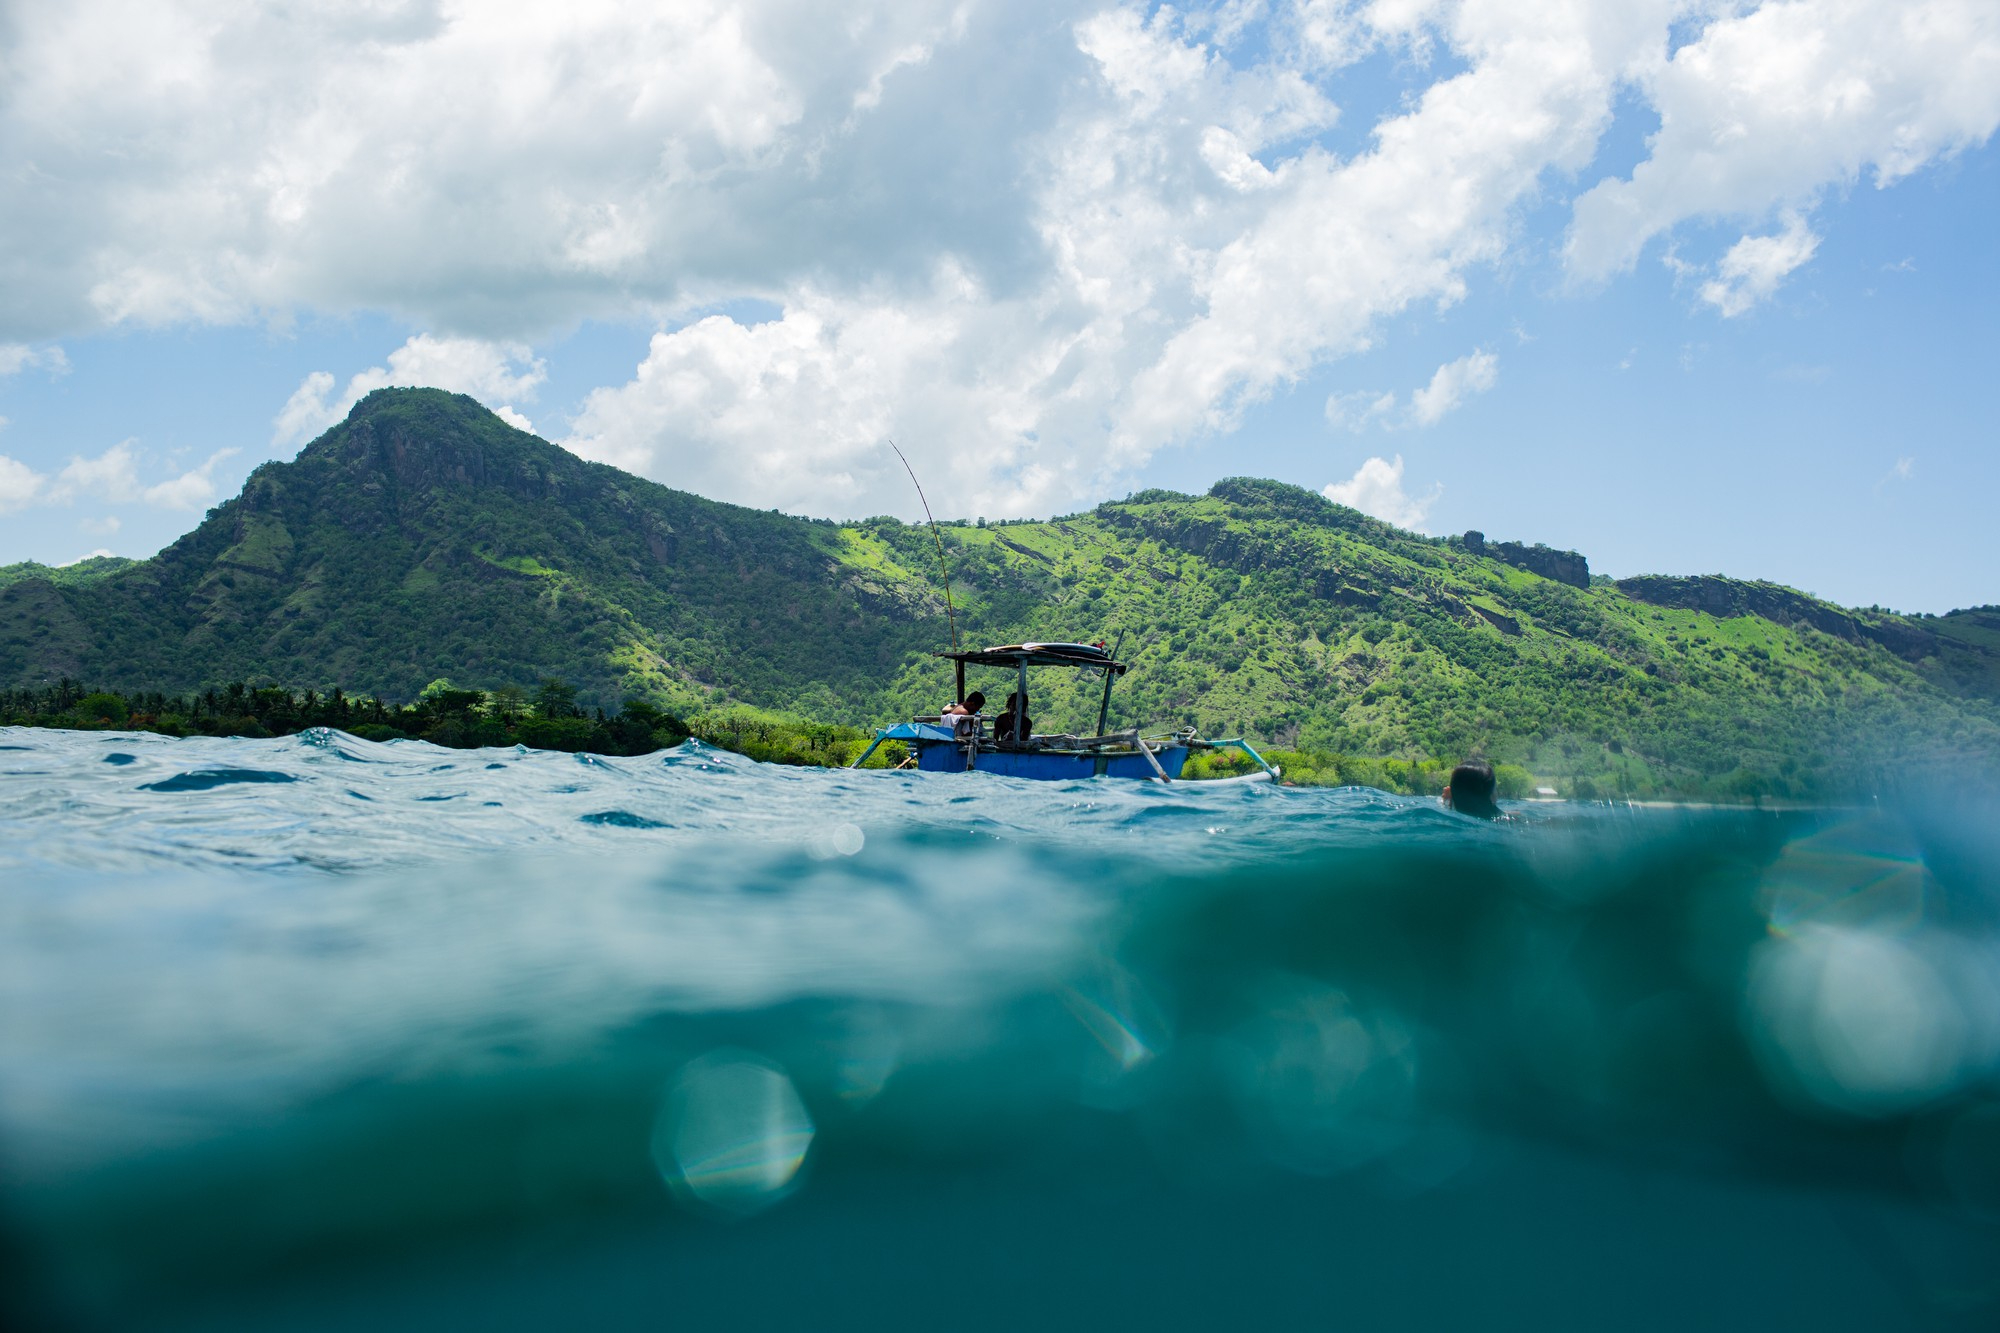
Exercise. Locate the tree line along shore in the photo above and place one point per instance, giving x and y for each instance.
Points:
(549, 718)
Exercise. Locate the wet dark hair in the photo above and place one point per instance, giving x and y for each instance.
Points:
(1472, 786)
(975, 701)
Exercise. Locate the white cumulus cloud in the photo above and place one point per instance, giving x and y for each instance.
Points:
(1771, 104)
(1035, 242)
(796, 412)
(1376, 489)
(111, 477)
(308, 411)
(487, 168)
(193, 489)
(1454, 382)
(1903, 470)
(1174, 296)
(492, 372)
(1450, 386)
(1349, 241)
(1359, 409)
(17, 357)
(1755, 266)
(20, 485)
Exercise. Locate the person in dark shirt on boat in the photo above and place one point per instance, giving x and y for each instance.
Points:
(1470, 790)
(1014, 726)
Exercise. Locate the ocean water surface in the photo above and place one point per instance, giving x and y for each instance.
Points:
(317, 1033)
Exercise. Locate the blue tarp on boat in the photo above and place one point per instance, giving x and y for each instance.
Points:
(941, 754)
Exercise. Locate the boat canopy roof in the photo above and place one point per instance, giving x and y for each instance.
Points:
(1040, 654)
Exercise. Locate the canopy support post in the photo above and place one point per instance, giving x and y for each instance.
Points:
(961, 681)
(1104, 705)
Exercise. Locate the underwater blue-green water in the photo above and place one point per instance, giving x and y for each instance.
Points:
(315, 1033)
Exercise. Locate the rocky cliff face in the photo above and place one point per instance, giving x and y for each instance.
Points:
(1561, 566)
(1725, 597)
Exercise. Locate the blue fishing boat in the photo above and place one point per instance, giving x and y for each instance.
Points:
(1007, 743)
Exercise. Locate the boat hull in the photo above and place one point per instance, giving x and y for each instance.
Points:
(937, 756)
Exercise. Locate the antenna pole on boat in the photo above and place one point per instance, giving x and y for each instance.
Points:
(1104, 705)
(951, 617)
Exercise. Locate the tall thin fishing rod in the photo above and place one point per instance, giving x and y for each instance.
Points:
(950, 616)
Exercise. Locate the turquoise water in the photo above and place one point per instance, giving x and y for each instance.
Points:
(317, 1033)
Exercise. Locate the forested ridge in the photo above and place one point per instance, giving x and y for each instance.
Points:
(423, 538)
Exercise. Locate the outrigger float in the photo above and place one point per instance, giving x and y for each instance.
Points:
(943, 743)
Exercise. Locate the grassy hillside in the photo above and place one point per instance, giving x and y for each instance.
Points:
(1265, 609)
(423, 537)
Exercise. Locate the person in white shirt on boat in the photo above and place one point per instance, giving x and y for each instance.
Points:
(963, 716)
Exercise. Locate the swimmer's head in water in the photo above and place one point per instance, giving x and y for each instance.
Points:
(1471, 789)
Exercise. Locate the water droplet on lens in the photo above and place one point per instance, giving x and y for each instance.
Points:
(1324, 1084)
(865, 1055)
(732, 1133)
(1855, 1020)
(1130, 1030)
(839, 840)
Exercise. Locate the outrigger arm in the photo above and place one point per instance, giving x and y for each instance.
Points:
(1159, 774)
(1237, 743)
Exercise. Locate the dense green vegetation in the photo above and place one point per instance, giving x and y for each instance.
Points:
(423, 537)
(547, 719)
(443, 714)
(88, 570)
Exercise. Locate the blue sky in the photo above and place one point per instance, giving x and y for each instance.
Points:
(1689, 287)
